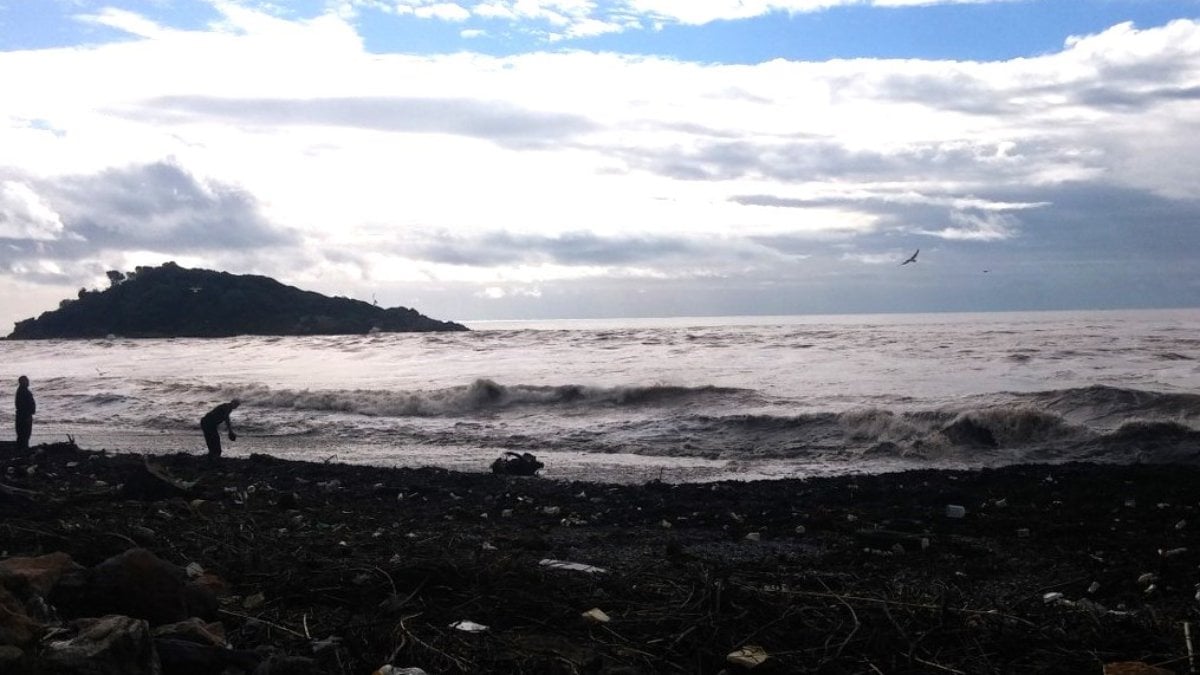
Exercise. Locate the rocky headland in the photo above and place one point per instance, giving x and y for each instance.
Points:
(173, 301)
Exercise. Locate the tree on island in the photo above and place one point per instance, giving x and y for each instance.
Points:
(173, 301)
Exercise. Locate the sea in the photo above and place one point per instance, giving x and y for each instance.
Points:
(635, 400)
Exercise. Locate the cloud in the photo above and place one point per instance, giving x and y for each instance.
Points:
(582, 249)
(48, 224)
(446, 11)
(124, 21)
(24, 215)
(496, 121)
(977, 227)
(257, 141)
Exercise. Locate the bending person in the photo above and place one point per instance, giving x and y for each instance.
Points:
(209, 425)
(26, 407)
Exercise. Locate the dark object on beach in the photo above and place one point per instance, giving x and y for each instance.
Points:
(174, 301)
(517, 464)
(26, 407)
(215, 418)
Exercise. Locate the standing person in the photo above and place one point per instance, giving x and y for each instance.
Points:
(214, 419)
(26, 407)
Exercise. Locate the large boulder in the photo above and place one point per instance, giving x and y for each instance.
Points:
(17, 628)
(139, 584)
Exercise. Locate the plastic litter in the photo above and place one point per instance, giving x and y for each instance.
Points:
(596, 615)
(955, 511)
(468, 626)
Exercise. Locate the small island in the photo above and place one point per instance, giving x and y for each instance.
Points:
(174, 301)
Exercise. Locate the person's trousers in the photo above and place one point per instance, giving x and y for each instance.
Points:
(24, 431)
(212, 437)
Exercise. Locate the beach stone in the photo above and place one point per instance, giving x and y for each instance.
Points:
(17, 628)
(288, 665)
(193, 630)
(139, 584)
(185, 657)
(9, 655)
(210, 583)
(112, 645)
(39, 574)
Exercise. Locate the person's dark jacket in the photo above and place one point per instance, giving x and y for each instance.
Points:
(218, 416)
(26, 406)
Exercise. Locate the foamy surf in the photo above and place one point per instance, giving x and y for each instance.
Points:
(796, 397)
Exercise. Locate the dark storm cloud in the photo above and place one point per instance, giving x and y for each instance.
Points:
(1104, 222)
(1071, 222)
(497, 121)
(155, 207)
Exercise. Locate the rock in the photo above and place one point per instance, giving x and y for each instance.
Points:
(9, 656)
(17, 628)
(139, 584)
(185, 657)
(112, 645)
(209, 583)
(39, 575)
(193, 630)
(287, 665)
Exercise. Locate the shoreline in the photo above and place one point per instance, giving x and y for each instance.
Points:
(352, 567)
(564, 465)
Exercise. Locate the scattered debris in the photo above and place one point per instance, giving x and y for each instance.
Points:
(749, 656)
(572, 566)
(596, 615)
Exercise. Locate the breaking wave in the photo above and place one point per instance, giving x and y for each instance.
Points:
(480, 396)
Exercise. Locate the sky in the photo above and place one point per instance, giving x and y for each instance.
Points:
(539, 159)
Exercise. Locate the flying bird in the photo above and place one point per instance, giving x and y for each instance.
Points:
(912, 258)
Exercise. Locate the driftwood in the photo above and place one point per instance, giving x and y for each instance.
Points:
(10, 491)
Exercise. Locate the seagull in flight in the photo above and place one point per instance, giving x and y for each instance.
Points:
(912, 258)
